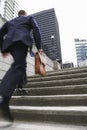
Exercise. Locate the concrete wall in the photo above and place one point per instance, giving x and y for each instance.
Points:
(6, 62)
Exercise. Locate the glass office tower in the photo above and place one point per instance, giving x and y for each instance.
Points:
(81, 50)
(49, 27)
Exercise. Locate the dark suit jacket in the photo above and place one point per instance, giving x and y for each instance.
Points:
(19, 29)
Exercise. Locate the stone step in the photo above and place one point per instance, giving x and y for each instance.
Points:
(56, 90)
(57, 77)
(51, 100)
(63, 72)
(72, 114)
(74, 81)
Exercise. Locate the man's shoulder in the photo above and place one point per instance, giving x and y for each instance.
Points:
(30, 17)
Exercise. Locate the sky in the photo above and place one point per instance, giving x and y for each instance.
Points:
(72, 19)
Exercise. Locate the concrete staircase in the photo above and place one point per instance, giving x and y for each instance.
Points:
(61, 96)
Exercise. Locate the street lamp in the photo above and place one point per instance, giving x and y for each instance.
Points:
(52, 39)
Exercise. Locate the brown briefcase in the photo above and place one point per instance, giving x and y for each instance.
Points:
(40, 64)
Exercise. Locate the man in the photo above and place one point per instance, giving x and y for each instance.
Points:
(17, 40)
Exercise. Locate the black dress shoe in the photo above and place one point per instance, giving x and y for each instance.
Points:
(5, 110)
(21, 92)
(24, 92)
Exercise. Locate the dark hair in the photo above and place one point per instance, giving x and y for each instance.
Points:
(21, 12)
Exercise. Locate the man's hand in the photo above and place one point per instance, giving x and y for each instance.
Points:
(4, 54)
(40, 51)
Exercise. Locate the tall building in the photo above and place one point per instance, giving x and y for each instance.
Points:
(49, 27)
(9, 9)
(68, 65)
(81, 50)
(2, 21)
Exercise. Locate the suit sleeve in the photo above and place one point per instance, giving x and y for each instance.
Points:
(36, 33)
(3, 31)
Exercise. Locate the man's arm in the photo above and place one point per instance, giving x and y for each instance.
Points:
(36, 34)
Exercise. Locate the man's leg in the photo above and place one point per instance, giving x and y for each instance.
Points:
(13, 76)
(20, 87)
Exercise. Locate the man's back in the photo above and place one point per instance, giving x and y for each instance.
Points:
(19, 29)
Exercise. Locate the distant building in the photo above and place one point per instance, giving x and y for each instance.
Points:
(2, 21)
(81, 51)
(49, 27)
(83, 63)
(9, 9)
(68, 65)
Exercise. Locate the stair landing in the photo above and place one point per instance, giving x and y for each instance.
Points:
(39, 126)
